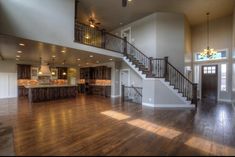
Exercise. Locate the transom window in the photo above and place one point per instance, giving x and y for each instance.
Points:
(219, 55)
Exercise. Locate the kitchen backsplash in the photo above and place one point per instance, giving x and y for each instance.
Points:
(24, 82)
(96, 82)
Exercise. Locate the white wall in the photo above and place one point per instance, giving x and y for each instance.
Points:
(143, 34)
(233, 50)
(156, 93)
(170, 38)
(220, 38)
(8, 79)
(135, 79)
(49, 21)
(160, 35)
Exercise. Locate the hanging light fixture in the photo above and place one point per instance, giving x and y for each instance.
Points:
(53, 65)
(208, 52)
(64, 72)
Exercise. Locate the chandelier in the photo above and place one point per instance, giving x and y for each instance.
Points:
(208, 52)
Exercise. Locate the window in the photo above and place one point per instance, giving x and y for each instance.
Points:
(209, 70)
(233, 76)
(196, 74)
(223, 85)
(219, 55)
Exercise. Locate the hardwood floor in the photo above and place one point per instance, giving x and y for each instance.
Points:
(93, 125)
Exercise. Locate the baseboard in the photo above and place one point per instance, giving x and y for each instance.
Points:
(148, 104)
(169, 105)
(115, 96)
(225, 100)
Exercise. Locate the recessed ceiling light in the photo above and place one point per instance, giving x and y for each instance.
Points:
(129, 0)
(91, 56)
(21, 44)
(18, 56)
(19, 51)
(111, 59)
(63, 51)
(78, 59)
(17, 59)
(53, 56)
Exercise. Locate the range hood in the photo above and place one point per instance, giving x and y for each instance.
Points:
(44, 69)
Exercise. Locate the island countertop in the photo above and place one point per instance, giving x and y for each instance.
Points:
(48, 86)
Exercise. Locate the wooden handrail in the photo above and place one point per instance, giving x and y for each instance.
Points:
(180, 73)
(138, 50)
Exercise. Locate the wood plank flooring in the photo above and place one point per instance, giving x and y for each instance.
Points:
(93, 125)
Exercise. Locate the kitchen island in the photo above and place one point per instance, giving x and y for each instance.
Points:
(39, 93)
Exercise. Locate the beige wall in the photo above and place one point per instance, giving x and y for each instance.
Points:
(8, 66)
(233, 44)
(221, 35)
(187, 43)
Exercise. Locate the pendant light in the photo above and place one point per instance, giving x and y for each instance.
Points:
(64, 72)
(208, 52)
(53, 65)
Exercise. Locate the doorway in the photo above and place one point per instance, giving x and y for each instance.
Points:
(209, 82)
(124, 78)
(126, 33)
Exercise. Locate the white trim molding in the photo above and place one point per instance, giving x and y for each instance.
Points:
(191, 106)
(115, 96)
(225, 100)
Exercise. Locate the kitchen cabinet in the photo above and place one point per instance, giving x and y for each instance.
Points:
(23, 71)
(62, 73)
(22, 91)
(100, 90)
(96, 73)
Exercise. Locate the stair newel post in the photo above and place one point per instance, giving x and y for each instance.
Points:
(103, 38)
(125, 46)
(123, 93)
(194, 101)
(150, 66)
(166, 74)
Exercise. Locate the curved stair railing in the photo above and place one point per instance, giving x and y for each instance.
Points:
(151, 67)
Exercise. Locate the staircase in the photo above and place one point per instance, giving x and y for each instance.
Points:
(146, 67)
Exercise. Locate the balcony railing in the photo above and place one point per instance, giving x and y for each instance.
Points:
(99, 38)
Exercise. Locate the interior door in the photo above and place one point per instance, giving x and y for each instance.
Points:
(209, 82)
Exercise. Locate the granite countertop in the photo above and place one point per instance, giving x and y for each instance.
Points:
(99, 85)
(48, 86)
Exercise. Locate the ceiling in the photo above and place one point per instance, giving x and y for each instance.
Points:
(33, 50)
(110, 12)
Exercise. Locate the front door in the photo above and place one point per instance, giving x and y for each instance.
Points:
(210, 82)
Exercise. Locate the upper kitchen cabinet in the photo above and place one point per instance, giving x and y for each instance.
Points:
(62, 73)
(23, 71)
(96, 73)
